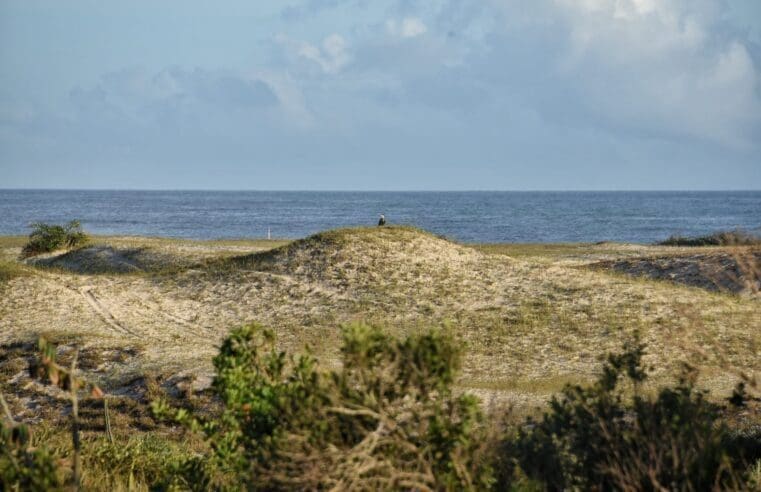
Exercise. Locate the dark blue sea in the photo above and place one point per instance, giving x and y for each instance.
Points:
(640, 217)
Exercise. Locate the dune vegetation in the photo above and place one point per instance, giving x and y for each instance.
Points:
(50, 237)
(723, 238)
(146, 318)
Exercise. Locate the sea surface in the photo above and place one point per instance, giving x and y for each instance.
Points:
(639, 217)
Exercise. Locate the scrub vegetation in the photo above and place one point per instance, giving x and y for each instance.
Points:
(45, 238)
(495, 334)
(388, 419)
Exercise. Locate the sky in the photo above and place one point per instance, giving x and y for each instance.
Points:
(381, 95)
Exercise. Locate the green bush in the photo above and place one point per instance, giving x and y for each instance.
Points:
(726, 238)
(49, 237)
(387, 419)
(598, 438)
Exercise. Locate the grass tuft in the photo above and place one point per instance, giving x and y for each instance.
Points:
(10, 270)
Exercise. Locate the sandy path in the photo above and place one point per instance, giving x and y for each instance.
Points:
(102, 309)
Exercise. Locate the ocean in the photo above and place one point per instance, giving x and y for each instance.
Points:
(482, 217)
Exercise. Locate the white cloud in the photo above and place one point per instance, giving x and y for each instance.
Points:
(332, 56)
(667, 68)
(409, 27)
(291, 98)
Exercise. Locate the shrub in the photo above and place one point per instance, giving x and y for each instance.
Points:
(46, 237)
(386, 420)
(726, 238)
(22, 467)
(596, 438)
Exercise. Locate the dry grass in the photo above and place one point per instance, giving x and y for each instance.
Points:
(532, 317)
(10, 270)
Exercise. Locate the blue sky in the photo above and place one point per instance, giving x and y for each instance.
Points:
(359, 94)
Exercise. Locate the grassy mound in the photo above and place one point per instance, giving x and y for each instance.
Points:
(724, 238)
(364, 253)
(107, 259)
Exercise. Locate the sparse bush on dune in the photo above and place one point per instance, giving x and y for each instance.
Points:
(724, 238)
(50, 237)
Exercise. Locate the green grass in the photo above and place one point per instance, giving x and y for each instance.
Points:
(545, 250)
(166, 241)
(134, 462)
(546, 385)
(12, 241)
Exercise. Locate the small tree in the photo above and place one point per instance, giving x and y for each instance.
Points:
(49, 237)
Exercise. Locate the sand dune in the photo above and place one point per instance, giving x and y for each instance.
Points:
(528, 323)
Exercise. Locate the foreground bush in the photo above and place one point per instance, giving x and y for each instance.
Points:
(21, 466)
(386, 420)
(47, 237)
(597, 438)
(726, 238)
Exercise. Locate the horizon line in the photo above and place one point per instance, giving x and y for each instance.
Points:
(304, 190)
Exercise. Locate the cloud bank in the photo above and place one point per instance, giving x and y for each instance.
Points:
(501, 94)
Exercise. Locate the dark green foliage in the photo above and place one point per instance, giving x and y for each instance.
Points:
(725, 238)
(50, 237)
(598, 438)
(386, 420)
(22, 467)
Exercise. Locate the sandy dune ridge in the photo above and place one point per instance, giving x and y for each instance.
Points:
(528, 323)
